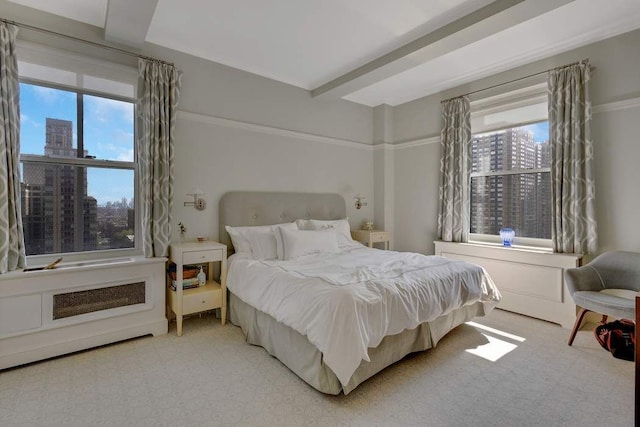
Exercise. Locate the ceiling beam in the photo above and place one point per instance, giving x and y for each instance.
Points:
(482, 23)
(128, 21)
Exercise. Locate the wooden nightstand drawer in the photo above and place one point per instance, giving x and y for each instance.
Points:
(196, 257)
(369, 237)
(379, 237)
(203, 298)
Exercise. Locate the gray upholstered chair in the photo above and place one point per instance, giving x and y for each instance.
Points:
(607, 285)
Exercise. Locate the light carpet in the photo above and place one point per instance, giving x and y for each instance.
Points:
(210, 376)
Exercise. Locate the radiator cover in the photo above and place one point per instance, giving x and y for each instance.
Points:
(531, 281)
(88, 301)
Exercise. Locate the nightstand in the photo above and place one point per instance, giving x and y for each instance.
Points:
(208, 297)
(369, 237)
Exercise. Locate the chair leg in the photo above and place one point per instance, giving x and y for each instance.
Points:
(576, 326)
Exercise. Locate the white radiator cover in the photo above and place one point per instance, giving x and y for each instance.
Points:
(531, 282)
(30, 331)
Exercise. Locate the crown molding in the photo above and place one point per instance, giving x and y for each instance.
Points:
(252, 127)
(618, 105)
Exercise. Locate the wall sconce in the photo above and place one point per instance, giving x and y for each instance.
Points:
(198, 202)
(359, 201)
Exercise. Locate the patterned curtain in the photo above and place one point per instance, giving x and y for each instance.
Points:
(455, 171)
(159, 87)
(12, 250)
(572, 177)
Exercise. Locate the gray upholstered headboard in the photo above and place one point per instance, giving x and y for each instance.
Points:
(238, 208)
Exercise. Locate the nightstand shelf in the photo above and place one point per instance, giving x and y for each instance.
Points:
(369, 237)
(210, 296)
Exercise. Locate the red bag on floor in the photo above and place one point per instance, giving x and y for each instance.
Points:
(618, 337)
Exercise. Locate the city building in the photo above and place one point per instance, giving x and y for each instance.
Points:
(521, 201)
(58, 215)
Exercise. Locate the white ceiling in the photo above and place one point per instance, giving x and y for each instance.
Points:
(367, 51)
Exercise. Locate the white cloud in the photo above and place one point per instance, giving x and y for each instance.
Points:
(106, 110)
(120, 135)
(48, 95)
(115, 152)
(45, 94)
(26, 120)
(126, 155)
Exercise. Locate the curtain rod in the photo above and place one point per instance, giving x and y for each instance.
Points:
(518, 79)
(78, 39)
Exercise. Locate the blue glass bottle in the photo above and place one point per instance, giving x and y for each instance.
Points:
(507, 235)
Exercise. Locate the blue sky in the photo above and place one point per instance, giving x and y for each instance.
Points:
(540, 131)
(108, 134)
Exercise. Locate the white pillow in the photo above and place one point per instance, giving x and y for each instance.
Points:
(262, 243)
(304, 242)
(292, 226)
(304, 224)
(341, 226)
(240, 243)
(259, 240)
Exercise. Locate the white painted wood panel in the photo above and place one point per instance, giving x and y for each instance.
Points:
(530, 280)
(196, 257)
(20, 313)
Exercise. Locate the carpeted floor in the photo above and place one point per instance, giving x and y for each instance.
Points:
(210, 376)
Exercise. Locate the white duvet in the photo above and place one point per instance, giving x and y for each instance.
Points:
(349, 301)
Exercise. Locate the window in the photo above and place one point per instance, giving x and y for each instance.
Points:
(77, 162)
(510, 173)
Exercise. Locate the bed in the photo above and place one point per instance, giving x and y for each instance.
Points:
(337, 316)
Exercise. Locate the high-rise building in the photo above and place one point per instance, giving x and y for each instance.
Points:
(520, 201)
(58, 214)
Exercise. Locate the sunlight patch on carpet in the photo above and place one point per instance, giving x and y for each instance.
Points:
(496, 347)
(493, 350)
(496, 331)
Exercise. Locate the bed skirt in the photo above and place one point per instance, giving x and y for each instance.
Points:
(305, 360)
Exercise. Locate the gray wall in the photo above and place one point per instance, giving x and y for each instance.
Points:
(615, 129)
(416, 197)
(218, 159)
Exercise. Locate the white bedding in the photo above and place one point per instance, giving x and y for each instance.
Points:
(348, 301)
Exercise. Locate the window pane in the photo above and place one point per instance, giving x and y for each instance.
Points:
(74, 209)
(521, 201)
(523, 147)
(47, 121)
(108, 128)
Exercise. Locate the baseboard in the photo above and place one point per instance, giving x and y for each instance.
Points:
(21, 357)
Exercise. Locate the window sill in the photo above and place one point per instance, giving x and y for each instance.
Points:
(518, 253)
(83, 266)
(87, 257)
(523, 248)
